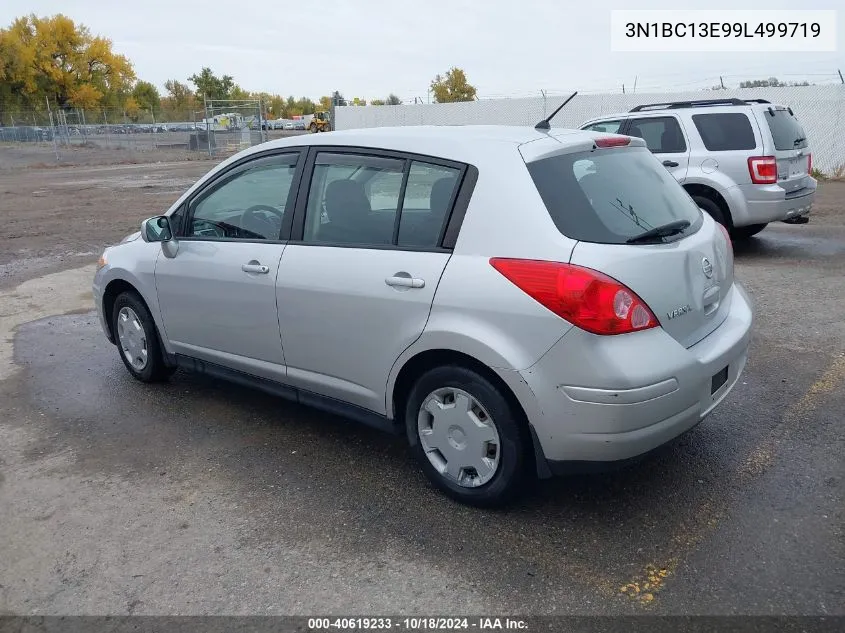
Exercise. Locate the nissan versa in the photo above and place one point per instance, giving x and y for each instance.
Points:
(511, 299)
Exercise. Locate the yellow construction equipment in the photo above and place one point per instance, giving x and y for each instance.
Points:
(321, 122)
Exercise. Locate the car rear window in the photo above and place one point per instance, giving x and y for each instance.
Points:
(611, 195)
(787, 133)
(722, 132)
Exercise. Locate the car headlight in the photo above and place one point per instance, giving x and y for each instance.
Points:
(102, 261)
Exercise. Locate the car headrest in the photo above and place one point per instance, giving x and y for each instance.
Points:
(345, 199)
(441, 193)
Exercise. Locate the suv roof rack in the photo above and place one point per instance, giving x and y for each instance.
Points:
(694, 104)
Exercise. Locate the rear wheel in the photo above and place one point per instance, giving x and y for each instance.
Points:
(744, 232)
(137, 339)
(466, 436)
(712, 209)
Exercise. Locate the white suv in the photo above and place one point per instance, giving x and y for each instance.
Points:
(745, 162)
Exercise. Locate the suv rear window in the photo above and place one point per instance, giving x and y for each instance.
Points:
(722, 132)
(787, 133)
(611, 195)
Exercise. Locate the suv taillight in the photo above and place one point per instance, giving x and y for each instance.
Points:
(763, 170)
(583, 296)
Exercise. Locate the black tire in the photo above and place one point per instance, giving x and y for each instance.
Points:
(155, 369)
(513, 444)
(744, 232)
(713, 209)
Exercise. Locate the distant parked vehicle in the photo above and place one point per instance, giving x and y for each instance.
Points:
(25, 134)
(745, 162)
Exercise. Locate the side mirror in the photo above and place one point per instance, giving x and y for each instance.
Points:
(156, 229)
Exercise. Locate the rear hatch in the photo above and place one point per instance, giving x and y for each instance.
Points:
(790, 145)
(609, 199)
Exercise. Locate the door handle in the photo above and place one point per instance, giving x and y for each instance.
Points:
(401, 281)
(255, 267)
(669, 163)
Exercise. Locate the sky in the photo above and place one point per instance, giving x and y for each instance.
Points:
(369, 48)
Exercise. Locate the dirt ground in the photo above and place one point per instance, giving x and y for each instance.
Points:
(55, 218)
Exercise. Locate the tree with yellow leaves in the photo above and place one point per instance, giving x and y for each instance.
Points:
(452, 87)
(56, 59)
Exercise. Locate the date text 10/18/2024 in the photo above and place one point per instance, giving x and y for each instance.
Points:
(417, 624)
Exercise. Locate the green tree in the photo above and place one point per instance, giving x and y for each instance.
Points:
(180, 94)
(325, 103)
(306, 105)
(210, 86)
(452, 87)
(236, 92)
(771, 82)
(338, 99)
(392, 99)
(359, 102)
(146, 96)
(377, 102)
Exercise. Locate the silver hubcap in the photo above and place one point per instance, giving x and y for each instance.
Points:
(459, 437)
(133, 341)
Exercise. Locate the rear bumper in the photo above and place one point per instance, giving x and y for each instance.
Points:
(605, 399)
(761, 204)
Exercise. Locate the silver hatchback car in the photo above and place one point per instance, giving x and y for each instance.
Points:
(513, 300)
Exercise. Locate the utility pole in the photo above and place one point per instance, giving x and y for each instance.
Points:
(840, 76)
(722, 81)
(634, 91)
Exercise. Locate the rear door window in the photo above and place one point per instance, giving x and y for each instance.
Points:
(787, 133)
(662, 135)
(725, 131)
(612, 127)
(610, 195)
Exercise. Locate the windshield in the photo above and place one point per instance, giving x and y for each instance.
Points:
(611, 195)
(787, 133)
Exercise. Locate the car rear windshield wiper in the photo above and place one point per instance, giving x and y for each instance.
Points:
(664, 230)
(799, 140)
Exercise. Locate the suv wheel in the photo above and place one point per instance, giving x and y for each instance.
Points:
(466, 436)
(744, 232)
(712, 208)
(137, 339)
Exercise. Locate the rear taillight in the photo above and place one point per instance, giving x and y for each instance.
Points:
(583, 296)
(810, 164)
(763, 170)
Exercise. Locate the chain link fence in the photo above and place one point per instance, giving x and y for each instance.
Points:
(217, 130)
(821, 110)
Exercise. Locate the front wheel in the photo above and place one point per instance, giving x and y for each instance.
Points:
(312, 128)
(137, 339)
(466, 436)
(744, 232)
